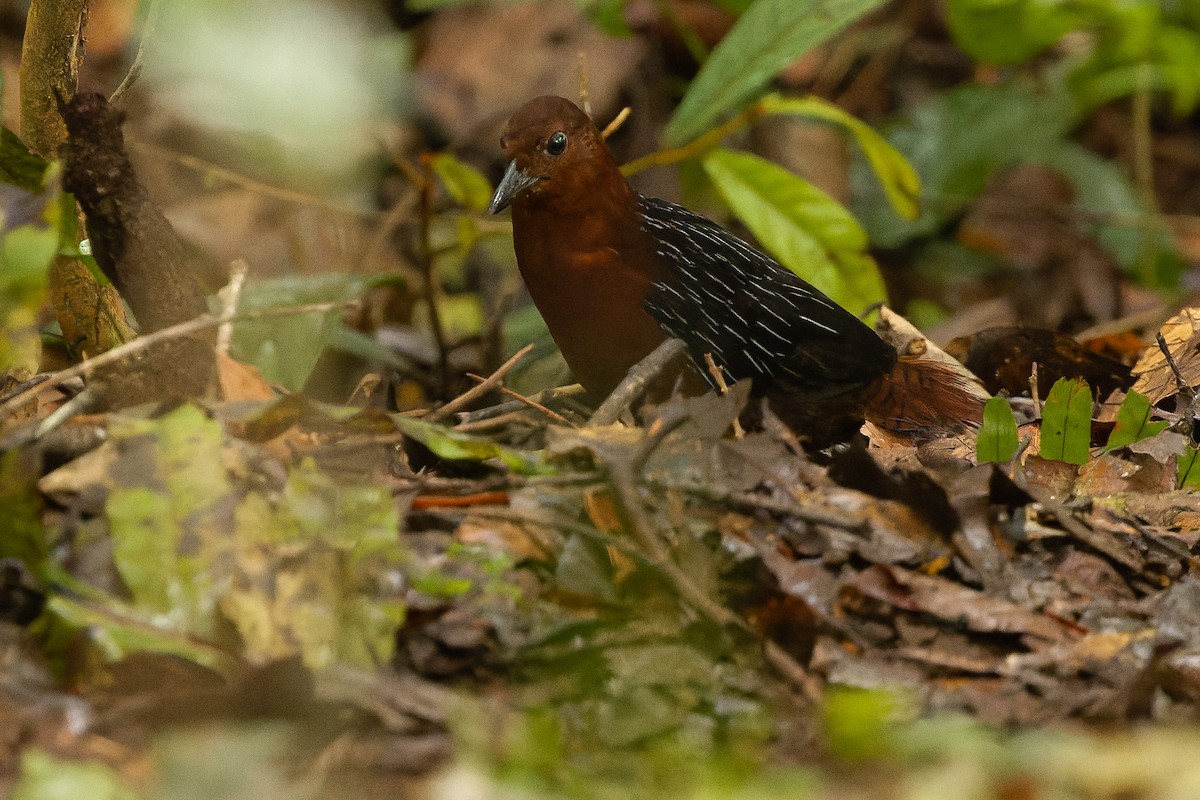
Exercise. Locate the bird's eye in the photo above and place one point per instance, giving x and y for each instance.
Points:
(556, 144)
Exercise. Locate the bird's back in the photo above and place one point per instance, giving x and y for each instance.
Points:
(754, 316)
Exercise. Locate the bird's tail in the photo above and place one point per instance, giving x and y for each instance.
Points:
(922, 397)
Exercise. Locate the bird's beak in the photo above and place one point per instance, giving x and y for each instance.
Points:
(515, 181)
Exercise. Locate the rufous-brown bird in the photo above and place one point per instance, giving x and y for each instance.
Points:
(614, 273)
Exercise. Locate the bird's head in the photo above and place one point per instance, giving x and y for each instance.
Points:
(554, 150)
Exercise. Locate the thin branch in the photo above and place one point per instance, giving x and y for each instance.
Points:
(202, 322)
(480, 389)
(135, 69)
(636, 382)
(697, 147)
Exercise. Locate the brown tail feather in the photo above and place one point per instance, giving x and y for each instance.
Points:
(923, 397)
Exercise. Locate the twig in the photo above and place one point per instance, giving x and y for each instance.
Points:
(716, 494)
(534, 404)
(585, 96)
(480, 389)
(518, 417)
(542, 397)
(202, 322)
(791, 671)
(211, 170)
(1186, 396)
(135, 69)
(718, 375)
(228, 295)
(423, 179)
(698, 146)
(617, 122)
(655, 550)
(635, 383)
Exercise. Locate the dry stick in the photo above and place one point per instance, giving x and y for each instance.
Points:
(542, 397)
(792, 671)
(534, 404)
(229, 295)
(135, 69)
(212, 170)
(635, 382)
(202, 322)
(1186, 404)
(718, 375)
(480, 389)
(424, 182)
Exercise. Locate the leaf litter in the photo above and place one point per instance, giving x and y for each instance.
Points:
(630, 584)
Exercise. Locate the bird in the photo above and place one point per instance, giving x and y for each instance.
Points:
(615, 273)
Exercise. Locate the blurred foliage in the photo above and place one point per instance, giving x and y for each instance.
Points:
(36, 221)
(1132, 46)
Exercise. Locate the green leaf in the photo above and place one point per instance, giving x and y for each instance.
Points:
(1067, 422)
(464, 183)
(1187, 467)
(997, 439)
(806, 230)
(897, 177)
(456, 446)
(769, 36)
(956, 141)
(1133, 422)
(18, 166)
(1028, 26)
(285, 349)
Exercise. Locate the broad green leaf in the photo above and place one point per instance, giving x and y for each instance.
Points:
(806, 230)
(997, 439)
(464, 183)
(456, 446)
(1067, 422)
(285, 349)
(897, 177)
(1187, 468)
(769, 36)
(1133, 422)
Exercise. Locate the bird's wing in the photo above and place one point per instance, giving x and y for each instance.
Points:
(753, 315)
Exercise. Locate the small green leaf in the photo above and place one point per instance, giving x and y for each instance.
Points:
(464, 183)
(809, 232)
(18, 166)
(768, 37)
(1133, 422)
(1067, 422)
(1187, 467)
(456, 446)
(997, 439)
(897, 177)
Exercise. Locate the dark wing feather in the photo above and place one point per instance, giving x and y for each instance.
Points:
(753, 315)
